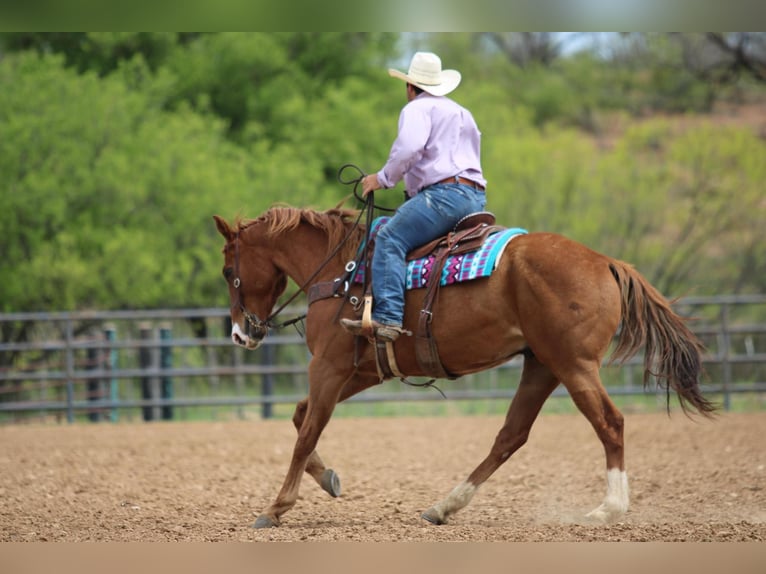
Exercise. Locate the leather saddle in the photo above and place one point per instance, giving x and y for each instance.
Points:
(468, 235)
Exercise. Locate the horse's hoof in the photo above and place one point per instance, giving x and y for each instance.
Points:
(331, 483)
(264, 521)
(432, 516)
(597, 516)
(604, 515)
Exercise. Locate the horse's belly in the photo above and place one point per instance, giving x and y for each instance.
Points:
(480, 350)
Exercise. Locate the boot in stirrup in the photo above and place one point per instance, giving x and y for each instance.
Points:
(382, 332)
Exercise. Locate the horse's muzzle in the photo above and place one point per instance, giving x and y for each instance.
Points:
(251, 338)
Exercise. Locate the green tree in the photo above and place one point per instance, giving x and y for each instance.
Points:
(99, 52)
(107, 198)
(110, 181)
(253, 80)
(118, 147)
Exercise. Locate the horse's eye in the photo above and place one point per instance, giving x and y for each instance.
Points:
(227, 272)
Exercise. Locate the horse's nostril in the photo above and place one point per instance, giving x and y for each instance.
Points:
(256, 332)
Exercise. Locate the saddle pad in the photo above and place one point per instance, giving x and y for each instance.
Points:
(457, 268)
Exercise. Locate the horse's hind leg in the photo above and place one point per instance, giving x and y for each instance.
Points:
(537, 383)
(591, 398)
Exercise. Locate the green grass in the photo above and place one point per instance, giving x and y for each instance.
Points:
(743, 402)
(437, 407)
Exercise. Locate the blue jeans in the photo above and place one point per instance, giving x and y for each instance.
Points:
(430, 214)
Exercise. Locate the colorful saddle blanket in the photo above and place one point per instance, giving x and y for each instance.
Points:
(457, 268)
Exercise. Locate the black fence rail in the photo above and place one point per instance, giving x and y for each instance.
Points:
(181, 364)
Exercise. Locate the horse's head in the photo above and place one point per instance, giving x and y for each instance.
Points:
(255, 283)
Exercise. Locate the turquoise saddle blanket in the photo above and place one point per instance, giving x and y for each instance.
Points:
(457, 268)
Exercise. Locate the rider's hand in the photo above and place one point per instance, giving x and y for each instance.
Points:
(369, 184)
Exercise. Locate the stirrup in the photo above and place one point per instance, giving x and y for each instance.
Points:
(389, 333)
(383, 332)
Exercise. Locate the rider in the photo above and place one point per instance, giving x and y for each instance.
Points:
(437, 153)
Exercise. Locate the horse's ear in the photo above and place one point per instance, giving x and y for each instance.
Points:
(223, 227)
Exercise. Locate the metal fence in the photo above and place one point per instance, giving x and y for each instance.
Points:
(181, 364)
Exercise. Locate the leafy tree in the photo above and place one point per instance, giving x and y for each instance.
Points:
(252, 80)
(722, 58)
(107, 197)
(99, 52)
(118, 147)
(717, 178)
(111, 180)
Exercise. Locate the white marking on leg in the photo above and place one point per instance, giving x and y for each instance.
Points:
(617, 497)
(460, 496)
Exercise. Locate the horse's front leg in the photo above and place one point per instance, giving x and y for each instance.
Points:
(288, 494)
(325, 385)
(325, 477)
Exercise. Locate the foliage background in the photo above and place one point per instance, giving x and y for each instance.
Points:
(117, 148)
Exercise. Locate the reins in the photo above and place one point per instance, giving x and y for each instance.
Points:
(258, 323)
(362, 256)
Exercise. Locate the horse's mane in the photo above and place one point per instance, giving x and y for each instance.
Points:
(336, 223)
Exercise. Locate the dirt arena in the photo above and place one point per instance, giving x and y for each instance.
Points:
(691, 480)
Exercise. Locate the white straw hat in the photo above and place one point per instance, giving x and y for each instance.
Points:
(426, 73)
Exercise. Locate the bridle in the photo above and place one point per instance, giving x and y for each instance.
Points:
(252, 319)
(264, 325)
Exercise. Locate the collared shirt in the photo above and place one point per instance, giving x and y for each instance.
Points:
(437, 139)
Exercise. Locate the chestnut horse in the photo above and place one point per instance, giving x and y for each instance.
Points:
(552, 300)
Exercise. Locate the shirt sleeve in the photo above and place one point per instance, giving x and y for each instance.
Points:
(407, 149)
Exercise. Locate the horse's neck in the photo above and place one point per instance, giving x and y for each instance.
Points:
(301, 252)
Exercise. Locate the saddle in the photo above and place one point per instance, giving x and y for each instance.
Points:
(468, 235)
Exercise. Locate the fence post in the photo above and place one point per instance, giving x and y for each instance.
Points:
(145, 362)
(726, 356)
(166, 363)
(110, 335)
(69, 336)
(93, 386)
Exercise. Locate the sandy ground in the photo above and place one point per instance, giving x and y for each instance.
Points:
(691, 480)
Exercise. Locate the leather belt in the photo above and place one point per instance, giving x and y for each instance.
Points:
(464, 181)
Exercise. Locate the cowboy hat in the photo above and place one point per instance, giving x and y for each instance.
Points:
(426, 73)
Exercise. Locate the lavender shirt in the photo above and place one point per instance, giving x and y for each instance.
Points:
(437, 139)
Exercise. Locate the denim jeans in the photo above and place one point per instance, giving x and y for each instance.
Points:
(430, 214)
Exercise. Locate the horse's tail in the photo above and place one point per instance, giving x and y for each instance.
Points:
(673, 354)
